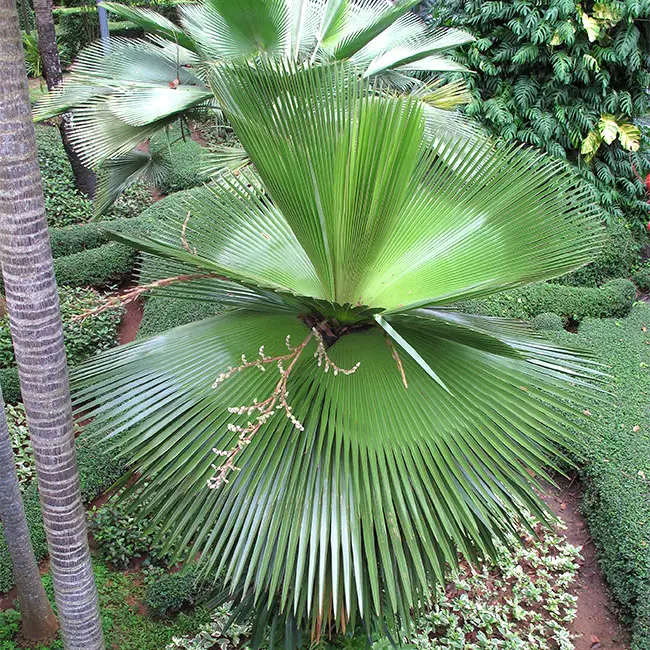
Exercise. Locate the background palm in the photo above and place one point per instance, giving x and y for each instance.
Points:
(123, 95)
(348, 238)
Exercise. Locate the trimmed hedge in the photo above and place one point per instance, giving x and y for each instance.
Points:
(618, 258)
(98, 470)
(186, 166)
(173, 592)
(84, 236)
(101, 267)
(572, 303)
(617, 470)
(162, 314)
(548, 322)
(10, 385)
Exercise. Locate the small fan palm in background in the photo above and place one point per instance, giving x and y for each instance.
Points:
(332, 440)
(122, 95)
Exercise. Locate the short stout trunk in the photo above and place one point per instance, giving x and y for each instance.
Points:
(38, 621)
(37, 332)
(84, 176)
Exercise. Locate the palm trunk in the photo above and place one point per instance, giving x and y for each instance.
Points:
(38, 621)
(36, 328)
(84, 176)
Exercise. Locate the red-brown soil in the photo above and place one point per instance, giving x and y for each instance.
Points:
(596, 625)
(131, 322)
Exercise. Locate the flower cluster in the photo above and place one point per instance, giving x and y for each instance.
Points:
(277, 401)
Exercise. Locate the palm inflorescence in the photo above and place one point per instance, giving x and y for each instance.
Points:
(333, 439)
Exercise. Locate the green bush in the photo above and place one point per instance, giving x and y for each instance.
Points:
(547, 72)
(76, 238)
(619, 257)
(9, 625)
(162, 314)
(82, 338)
(10, 385)
(84, 236)
(617, 469)
(98, 470)
(106, 266)
(173, 592)
(641, 277)
(548, 322)
(572, 303)
(21, 443)
(185, 162)
(121, 536)
(64, 204)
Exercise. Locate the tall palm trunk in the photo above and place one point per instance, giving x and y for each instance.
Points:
(38, 621)
(37, 332)
(84, 176)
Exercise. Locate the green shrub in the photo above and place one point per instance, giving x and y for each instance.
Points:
(98, 470)
(619, 257)
(121, 536)
(546, 73)
(83, 236)
(76, 238)
(185, 161)
(82, 338)
(641, 277)
(10, 385)
(548, 322)
(103, 267)
(617, 469)
(572, 303)
(162, 314)
(173, 592)
(21, 444)
(64, 204)
(9, 625)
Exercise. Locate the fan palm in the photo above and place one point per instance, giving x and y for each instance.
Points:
(121, 96)
(332, 439)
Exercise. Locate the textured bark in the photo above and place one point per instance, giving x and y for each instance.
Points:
(84, 176)
(37, 332)
(38, 621)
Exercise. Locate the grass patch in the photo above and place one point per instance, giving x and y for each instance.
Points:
(125, 626)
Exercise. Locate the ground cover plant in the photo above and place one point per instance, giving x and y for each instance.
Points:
(525, 601)
(303, 251)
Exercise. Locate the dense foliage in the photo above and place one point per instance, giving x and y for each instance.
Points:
(64, 204)
(82, 337)
(568, 78)
(617, 469)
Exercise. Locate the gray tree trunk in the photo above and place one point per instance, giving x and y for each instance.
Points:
(84, 177)
(37, 332)
(37, 618)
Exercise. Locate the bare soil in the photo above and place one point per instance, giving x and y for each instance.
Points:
(596, 625)
(131, 322)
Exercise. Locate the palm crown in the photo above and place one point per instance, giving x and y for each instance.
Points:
(122, 95)
(356, 430)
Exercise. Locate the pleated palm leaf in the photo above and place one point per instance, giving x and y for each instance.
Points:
(333, 439)
(122, 94)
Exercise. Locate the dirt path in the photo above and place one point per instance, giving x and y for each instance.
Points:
(596, 625)
(131, 322)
